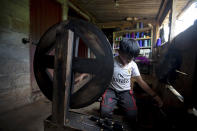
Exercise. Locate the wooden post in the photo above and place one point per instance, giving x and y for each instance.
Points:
(65, 10)
(152, 42)
(172, 19)
(163, 10)
(62, 75)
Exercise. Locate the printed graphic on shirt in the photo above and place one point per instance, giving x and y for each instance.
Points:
(121, 76)
(129, 71)
(121, 79)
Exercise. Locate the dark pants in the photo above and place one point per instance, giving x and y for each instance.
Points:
(123, 99)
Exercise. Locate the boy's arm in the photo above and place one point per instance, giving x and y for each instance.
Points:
(146, 88)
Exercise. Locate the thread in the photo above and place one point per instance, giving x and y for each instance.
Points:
(132, 35)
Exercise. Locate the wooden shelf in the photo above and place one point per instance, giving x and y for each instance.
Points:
(136, 39)
(143, 38)
(148, 47)
(134, 30)
(115, 48)
(122, 34)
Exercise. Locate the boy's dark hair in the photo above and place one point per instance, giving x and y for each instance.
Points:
(129, 47)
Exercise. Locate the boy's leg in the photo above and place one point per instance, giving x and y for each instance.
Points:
(128, 104)
(108, 104)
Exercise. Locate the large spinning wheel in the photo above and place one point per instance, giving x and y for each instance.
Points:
(101, 66)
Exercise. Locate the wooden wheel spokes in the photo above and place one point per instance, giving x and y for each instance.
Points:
(101, 66)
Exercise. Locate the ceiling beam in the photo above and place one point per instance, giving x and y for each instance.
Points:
(114, 24)
(189, 3)
(122, 24)
(163, 10)
(172, 18)
(77, 7)
(161, 6)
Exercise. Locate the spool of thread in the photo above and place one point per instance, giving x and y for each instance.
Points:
(137, 35)
(145, 34)
(142, 34)
(149, 42)
(141, 25)
(132, 35)
(158, 42)
(140, 43)
(137, 25)
(145, 43)
(127, 36)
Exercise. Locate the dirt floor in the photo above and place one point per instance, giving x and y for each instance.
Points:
(26, 118)
(31, 117)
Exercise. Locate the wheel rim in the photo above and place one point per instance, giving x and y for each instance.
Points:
(101, 66)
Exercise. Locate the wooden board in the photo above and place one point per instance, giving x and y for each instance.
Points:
(106, 11)
(43, 14)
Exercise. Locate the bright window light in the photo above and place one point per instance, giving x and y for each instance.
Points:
(186, 19)
(166, 34)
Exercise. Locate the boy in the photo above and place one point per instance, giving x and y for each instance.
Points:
(119, 91)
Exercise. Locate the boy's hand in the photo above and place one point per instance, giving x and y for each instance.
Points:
(159, 101)
(80, 77)
(146, 88)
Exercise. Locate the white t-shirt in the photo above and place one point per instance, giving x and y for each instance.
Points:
(121, 79)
